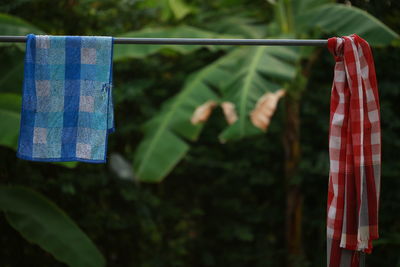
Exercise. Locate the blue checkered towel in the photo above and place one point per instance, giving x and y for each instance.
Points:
(67, 109)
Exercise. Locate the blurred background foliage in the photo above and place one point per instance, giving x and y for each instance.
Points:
(223, 204)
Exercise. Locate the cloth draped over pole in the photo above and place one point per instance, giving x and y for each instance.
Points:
(355, 154)
(67, 110)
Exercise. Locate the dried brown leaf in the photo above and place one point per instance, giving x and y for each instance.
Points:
(203, 112)
(229, 111)
(265, 108)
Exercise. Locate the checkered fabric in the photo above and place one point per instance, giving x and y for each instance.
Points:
(355, 153)
(67, 109)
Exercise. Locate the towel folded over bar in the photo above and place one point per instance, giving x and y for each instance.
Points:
(67, 110)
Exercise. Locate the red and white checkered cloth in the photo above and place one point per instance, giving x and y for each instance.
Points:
(355, 153)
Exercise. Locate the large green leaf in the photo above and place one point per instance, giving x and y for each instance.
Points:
(238, 25)
(10, 25)
(344, 20)
(167, 9)
(141, 51)
(260, 70)
(41, 222)
(163, 145)
(303, 6)
(179, 8)
(10, 108)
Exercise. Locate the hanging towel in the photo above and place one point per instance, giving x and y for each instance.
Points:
(67, 109)
(355, 153)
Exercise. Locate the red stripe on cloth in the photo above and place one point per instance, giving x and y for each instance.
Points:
(355, 153)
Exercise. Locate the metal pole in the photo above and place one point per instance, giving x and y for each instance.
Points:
(198, 41)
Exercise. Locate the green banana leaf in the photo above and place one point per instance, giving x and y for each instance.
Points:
(41, 222)
(260, 72)
(238, 25)
(10, 25)
(167, 9)
(10, 109)
(262, 69)
(142, 51)
(179, 8)
(303, 6)
(345, 20)
(163, 145)
(249, 74)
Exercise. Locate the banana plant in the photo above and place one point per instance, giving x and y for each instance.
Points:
(42, 223)
(167, 129)
(253, 71)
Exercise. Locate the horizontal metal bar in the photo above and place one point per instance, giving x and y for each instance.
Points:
(198, 41)
(13, 39)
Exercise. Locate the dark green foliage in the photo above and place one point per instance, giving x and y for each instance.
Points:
(41, 222)
(223, 205)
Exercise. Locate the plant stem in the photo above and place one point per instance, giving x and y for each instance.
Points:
(294, 197)
(292, 147)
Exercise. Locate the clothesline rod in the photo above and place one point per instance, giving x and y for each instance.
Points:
(199, 41)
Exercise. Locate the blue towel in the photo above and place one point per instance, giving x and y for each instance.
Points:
(67, 110)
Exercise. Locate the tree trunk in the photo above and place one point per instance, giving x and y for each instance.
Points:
(294, 197)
